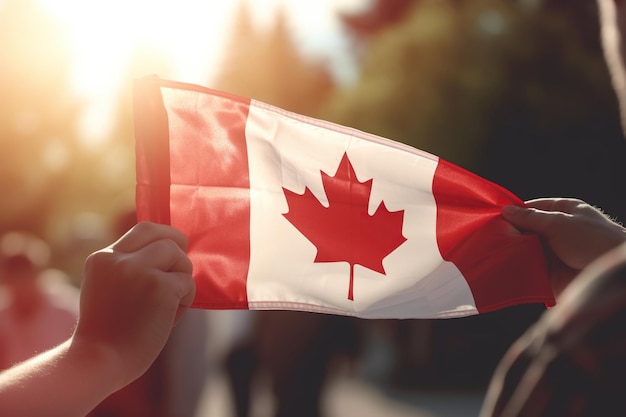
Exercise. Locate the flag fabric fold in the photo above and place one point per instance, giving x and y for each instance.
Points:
(288, 212)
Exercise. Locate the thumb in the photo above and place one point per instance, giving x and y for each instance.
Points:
(187, 292)
(530, 219)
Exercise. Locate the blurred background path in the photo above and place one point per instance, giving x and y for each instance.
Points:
(363, 387)
(347, 396)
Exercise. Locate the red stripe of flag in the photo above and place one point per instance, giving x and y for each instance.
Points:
(471, 233)
(209, 185)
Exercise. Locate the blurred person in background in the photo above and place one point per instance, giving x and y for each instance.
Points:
(39, 306)
(573, 360)
(294, 352)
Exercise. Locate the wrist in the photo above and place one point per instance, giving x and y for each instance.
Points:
(100, 360)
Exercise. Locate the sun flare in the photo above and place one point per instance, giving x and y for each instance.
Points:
(184, 40)
(107, 36)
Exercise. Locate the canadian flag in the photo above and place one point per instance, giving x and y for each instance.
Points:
(288, 212)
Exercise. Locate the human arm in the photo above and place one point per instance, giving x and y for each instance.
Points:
(132, 294)
(575, 233)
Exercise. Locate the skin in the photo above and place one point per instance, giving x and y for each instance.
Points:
(575, 233)
(133, 292)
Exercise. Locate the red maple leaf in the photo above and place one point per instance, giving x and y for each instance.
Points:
(345, 231)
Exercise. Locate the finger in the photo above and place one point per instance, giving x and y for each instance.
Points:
(179, 314)
(186, 288)
(164, 255)
(531, 219)
(565, 205)
(145, 233)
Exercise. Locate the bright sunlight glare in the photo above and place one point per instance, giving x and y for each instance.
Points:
(188, 35)
(106, 34)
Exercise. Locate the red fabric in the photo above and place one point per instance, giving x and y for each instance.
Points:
(210, 174)
(471, 233)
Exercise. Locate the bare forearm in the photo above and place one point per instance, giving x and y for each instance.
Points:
(131, 295)
(66, 381)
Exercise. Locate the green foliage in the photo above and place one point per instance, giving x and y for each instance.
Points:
(444, 78)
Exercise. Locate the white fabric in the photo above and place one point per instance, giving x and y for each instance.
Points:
(284, 152)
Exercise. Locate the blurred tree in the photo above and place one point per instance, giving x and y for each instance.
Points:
(557, 131)
(37, 115)
(429, 80)
(380, 15)
(266, 65)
